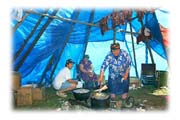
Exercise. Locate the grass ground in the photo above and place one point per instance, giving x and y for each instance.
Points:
(142, 95)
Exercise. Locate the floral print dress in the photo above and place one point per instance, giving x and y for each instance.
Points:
(117, 69)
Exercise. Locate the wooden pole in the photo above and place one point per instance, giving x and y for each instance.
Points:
(114, 35)
(47, 67)
(28, 38)
(129, 32)
(88, 31)
(35, 41)
(19, 23)
(148, 46)
(150, 52)
(64, 19)
(65, 42)
(114, 30)
(134, 53)
(74, 21)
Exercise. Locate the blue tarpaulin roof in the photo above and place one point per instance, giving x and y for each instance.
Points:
(68, 40)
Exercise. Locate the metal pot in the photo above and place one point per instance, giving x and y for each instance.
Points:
(100, 100)
(81, 94)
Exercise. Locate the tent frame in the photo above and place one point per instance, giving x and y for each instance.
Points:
(66, 41)
(28, 37)
(35, 41)
(50, 18)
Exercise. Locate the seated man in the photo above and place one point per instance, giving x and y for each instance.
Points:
(63, 81)
(87, 74)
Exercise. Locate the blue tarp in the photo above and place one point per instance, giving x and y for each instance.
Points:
(54, 38)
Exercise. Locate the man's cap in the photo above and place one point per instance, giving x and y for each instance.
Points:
(69, 61)
(115, 46)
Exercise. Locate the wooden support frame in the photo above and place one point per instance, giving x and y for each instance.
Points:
(66, 41)
(19, 23)
(35, 41)
(63, 19)
(47, 67)
(88, 30)
(134, 53)
(28, 38)
(148, 46)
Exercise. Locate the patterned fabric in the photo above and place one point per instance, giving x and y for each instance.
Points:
(117, 69)
(117, 87)
(90, 82)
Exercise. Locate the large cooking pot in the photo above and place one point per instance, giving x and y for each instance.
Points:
(100, 100)
(81, 94)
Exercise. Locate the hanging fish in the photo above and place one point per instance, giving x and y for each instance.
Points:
(140, 15)
(103, 25)
(144, 34)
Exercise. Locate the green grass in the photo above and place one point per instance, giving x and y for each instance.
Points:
(145, 94)
(141, 95)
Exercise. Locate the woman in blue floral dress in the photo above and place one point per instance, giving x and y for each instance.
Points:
(119, 63)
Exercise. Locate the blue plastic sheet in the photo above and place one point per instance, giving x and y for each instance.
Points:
(64, 40)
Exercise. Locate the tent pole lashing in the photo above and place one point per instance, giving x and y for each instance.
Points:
(66, 41)
(19, 23)
(28, 38)
(134, 53)
(35, 41)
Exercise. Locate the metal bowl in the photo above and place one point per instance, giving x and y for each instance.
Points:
(100, 100)
(81, 94)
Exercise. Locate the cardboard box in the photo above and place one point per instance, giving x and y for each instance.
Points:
(16, 78)
(24, 96)
(38, 93)
(135, 81)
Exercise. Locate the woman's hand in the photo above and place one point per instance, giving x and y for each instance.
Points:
(126, 74)
(125, 77)
(101, 78)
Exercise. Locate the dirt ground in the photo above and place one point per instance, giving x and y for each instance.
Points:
(144, 100)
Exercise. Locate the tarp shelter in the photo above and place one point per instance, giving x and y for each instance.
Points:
(44, 38)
